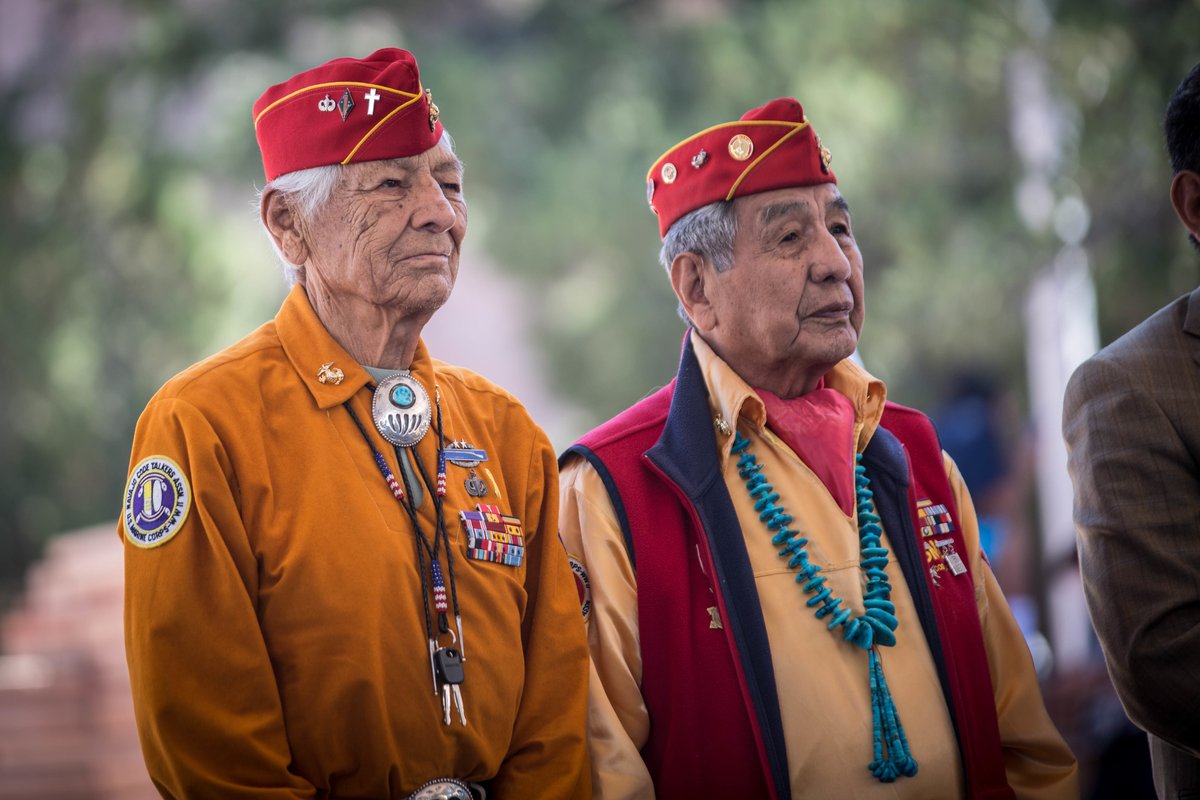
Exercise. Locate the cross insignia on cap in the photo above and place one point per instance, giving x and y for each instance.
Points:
(434, 112)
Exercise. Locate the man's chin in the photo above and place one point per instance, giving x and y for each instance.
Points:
(425, 297)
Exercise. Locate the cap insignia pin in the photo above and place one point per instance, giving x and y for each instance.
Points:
(826, 156)
(371, 97)
(741, 147)
(669, 173)
(699, 159)
(722, 426)
(434, 111)
(326, 104)
(328, 373)
(345, 104)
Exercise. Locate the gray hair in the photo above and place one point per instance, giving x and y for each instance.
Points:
(307, 191)
(708, 231)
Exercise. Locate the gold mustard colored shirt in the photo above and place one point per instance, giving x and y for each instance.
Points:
(822, 681)
(276, 631)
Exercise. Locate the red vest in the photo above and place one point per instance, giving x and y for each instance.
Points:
(714, 714)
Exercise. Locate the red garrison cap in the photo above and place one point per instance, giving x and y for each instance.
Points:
(345, 111)
(770, 147)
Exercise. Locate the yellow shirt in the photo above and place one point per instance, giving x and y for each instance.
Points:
(821, 680)
(276, 637)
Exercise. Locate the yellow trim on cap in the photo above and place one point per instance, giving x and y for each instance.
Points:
(737, 123)
(799, 126)
(390, 114)
(345, 84)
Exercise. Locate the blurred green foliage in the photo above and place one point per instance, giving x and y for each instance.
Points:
(128, 164)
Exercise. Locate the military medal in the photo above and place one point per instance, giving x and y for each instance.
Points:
(953, 559)
(476, 486)
(940, 554)
(462, 454)
(401, 409)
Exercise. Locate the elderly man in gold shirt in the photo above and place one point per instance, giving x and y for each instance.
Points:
(343, 577)
(770, 483)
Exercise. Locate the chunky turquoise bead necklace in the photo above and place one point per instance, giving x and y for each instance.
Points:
(874, 628)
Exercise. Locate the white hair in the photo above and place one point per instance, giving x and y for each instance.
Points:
(307, 191)
(707, 231)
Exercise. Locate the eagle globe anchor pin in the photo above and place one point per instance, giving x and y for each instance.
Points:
(401, 409)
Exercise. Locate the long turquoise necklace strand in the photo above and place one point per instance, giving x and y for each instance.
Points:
(875, 628)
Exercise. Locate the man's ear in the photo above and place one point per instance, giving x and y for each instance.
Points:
(1185, 197)
(692, 280)
(284, 227)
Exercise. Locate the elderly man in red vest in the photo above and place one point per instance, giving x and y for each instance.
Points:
(784, 586)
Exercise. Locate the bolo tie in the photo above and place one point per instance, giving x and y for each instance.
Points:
(402, 413)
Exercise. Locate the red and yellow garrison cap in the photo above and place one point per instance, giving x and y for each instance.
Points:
(345, 111)
(770, 147)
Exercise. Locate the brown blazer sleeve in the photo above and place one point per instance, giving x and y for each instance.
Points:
(1133, 461)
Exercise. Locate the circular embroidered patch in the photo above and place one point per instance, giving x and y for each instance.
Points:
(157, 501)
(582, 585)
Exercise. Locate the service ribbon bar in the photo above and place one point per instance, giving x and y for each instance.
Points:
(494, 536)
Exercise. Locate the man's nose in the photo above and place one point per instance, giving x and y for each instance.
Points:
(830, 262)
(433, 211)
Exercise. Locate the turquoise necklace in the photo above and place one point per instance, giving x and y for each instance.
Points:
(874, 628)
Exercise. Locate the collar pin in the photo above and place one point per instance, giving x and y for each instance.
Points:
(328, 373)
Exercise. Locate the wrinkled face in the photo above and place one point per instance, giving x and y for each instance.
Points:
(794, 296)
(391, 232)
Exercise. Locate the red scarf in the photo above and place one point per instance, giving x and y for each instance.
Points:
(819, 427)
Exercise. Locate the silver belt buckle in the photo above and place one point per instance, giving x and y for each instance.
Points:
(443, 789)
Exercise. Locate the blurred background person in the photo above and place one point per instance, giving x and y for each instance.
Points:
(1132, 431)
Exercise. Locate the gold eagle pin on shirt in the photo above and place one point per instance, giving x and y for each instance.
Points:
(328, 373)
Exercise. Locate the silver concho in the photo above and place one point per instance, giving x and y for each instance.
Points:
(443, 789)
(401, 409)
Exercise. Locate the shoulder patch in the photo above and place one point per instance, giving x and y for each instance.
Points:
(582, 585)
(157, 501)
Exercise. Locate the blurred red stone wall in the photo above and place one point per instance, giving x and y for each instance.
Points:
(66, 719)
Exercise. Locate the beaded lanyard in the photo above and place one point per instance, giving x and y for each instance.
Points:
(875, 628)
(423, 547)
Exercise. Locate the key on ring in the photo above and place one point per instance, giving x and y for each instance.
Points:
(448, 662)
